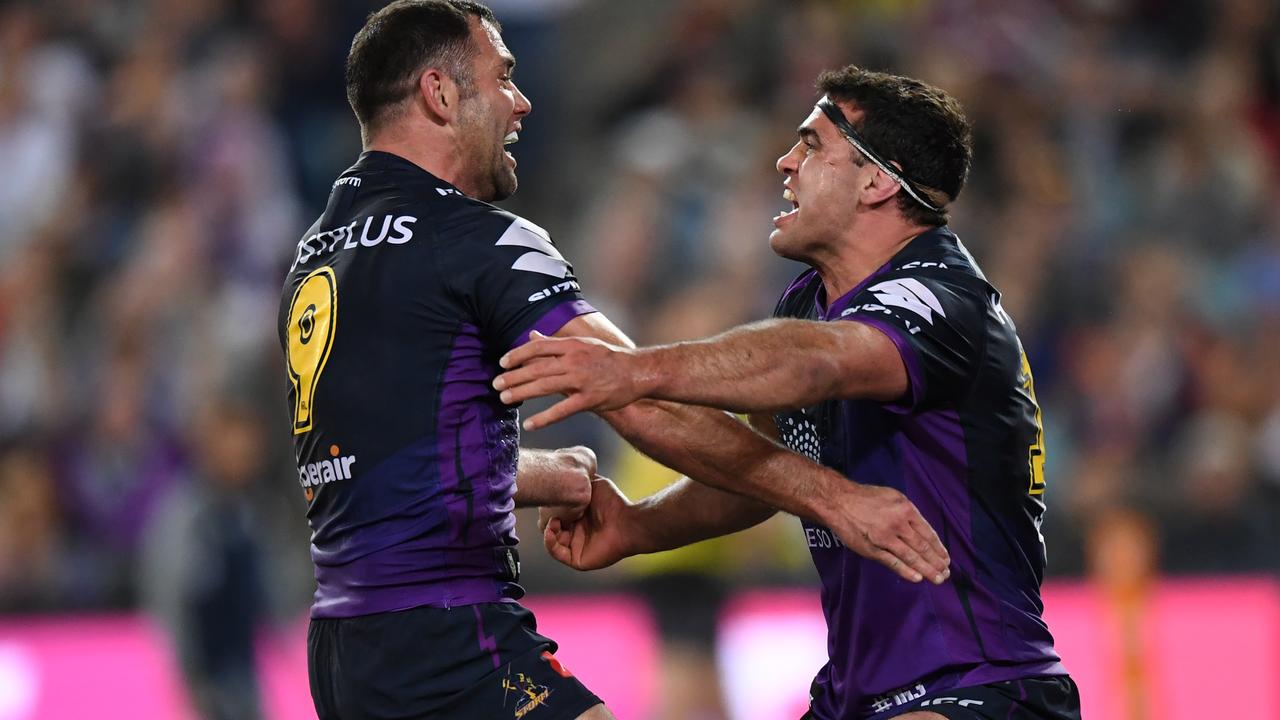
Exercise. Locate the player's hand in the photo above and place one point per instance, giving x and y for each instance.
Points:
(880, 523)
(592, 374)
(577, 460)
(579, 469)
(593, 541)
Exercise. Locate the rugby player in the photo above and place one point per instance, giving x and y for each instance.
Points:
(891, 361)
(401, 298)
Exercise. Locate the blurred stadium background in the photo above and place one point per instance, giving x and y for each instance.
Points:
(160, 159)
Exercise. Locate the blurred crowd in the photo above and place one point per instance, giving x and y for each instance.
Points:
(161, 159)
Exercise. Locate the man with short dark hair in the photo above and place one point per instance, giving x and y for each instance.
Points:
(400, 300)
(890, 361)
(396, 300)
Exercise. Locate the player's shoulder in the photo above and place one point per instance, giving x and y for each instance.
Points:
(935, 263)
(934, 276)
(466, 219)
(382, 179)
(455, 219)
(937, 256)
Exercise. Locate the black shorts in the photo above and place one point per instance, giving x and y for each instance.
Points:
(485, 662)
(1044, 698)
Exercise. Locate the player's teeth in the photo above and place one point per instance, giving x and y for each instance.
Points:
(788, 195)
(510, 138)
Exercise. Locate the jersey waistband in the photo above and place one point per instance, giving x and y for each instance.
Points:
(985, 674)
(342, 593)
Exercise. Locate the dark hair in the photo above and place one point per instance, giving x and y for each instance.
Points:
(397, 42)
(917, 125)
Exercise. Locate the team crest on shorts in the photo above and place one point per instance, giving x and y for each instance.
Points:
(529, 695)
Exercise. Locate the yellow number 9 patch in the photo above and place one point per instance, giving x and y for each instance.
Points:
(312, 317)
(1035, 453)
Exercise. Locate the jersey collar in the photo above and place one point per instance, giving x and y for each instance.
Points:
(924, 245)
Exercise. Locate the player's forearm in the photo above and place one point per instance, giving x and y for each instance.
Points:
(686, 512)
(554, 477)
(764, 366)
(715, 449)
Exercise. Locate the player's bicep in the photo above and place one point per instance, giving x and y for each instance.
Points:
(934, 327)
(869, 365)
(595, 325)
(510, 276)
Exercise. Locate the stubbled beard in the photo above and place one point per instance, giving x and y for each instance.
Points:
(492, 179)
(502, 179)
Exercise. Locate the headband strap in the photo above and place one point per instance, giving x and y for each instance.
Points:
(833, 113)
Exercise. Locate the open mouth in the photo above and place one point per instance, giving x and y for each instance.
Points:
(790, 197)
(511, 139)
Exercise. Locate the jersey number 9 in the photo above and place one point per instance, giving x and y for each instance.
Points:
(312, 317)
(1035, 454)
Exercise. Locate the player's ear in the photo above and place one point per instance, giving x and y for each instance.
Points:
(880, 187)
(440, 95)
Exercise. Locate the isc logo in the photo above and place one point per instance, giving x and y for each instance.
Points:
(323, 472)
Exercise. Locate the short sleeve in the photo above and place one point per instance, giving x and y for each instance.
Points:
(936, 323)
(510, 275)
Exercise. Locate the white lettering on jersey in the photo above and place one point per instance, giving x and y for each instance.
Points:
(394, 229)
(323, 472)
(909, 294)
(547, 260)
(877, 308)
(817, 537)
(556, 289)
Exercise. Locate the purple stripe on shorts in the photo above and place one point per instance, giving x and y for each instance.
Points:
(487, 642)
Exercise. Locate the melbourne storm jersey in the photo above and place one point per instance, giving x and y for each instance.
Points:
(400, 300)
(966, 447)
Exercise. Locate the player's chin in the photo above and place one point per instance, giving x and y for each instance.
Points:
(505, 184)
(779, 242)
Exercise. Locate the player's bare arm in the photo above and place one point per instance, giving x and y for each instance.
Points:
(764, 366)
(680, 514)
(716, 449)
(559, 478)
(613, 527)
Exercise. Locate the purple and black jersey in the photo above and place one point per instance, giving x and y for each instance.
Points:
(400, 301)
(966, 446)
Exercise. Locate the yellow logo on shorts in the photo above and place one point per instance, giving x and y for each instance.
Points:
(531, 695)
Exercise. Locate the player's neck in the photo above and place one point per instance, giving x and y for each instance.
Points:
(429, 153)
(860, 253)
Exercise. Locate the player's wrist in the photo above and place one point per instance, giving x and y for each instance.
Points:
(578, 458)
(647, 376)
(634, 537)
(827, 503)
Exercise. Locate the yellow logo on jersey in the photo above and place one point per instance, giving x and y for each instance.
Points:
(313, 316)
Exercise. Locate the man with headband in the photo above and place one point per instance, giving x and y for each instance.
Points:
(401, 298)
(891, 361)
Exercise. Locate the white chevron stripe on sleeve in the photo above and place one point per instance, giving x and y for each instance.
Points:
(539, 263)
